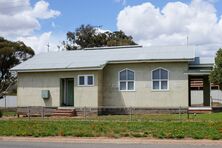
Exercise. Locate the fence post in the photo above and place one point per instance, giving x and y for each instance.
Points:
(43, 112)
(180, 113)
(131, 113)
(29, 112)
(188, 115)
(85, 112)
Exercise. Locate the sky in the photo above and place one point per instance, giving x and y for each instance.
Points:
(149, 22)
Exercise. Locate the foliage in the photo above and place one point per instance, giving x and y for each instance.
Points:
(216, 74)
(11, 54)
(87, 36)
(9, 113)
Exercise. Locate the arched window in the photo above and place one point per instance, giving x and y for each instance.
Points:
(126, 80)
(160, 78)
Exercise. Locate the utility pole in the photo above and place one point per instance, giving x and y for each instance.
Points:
(48, 45)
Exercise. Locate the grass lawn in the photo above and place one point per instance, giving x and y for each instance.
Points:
(161, 117)
(205, 126)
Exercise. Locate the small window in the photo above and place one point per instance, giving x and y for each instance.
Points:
(81, 80)
(86, 80)
(90, 80)
(160, 78)
(126, 80)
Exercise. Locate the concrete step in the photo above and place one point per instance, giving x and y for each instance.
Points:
(65, 112)
(63, 115)
(200, 110)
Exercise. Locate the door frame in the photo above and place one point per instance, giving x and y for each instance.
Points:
(63, 92)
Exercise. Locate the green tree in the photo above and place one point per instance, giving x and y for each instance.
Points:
(216, 73)
(119, 38)
(87, 36)
(11, 54)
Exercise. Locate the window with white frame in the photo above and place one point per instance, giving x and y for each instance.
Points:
(86, 80)
(160, 79)
(126, 80)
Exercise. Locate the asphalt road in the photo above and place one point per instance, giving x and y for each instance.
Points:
(4, 144)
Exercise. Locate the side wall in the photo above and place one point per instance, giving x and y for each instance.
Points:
(144, 96)
(31, 84)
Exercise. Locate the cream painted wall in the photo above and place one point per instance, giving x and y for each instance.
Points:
(143, 96)
(105, 92)
(100, 88)
(31, 84)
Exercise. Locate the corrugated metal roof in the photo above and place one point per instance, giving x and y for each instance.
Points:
(98, 58)
(203, 61)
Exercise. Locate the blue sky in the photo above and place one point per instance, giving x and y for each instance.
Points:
(149, 22)
(96, 12)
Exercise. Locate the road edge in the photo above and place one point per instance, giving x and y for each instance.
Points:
(110, 140)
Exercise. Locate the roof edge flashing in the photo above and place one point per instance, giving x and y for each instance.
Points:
(151, 60)
(57, 70)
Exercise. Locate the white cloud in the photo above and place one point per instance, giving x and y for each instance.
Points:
(100, 30)
(11, 7)
(39, 43)
(18, 17)
(150, 25)
(42, 11)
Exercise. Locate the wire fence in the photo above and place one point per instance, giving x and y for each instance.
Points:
(107, 114)
(104, 114)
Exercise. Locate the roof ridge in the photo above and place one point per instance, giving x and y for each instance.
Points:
(113, 47)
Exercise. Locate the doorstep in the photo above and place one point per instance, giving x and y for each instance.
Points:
(204, 108)
(66, 107)
(201, 110)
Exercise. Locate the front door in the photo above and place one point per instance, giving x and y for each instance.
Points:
(70, 92)
(67, 92)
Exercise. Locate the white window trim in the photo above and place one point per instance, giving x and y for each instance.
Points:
(134, 84)
(86, 80)
(159, 80)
